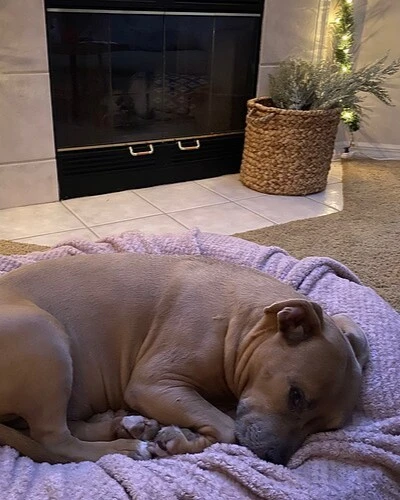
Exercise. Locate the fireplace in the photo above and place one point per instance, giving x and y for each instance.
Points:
(149, 92)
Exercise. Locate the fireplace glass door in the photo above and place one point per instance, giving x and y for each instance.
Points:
(127, 77)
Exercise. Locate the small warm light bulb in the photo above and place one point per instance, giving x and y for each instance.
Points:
(345, 69)
(346, 51)
(348, 115)
(338, 20)
(345, 37)
(349, 2)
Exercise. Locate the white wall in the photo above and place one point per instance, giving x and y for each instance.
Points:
(378, 32)
(301, 29)
(290, 28)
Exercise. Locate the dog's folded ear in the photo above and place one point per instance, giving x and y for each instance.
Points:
(355, 335)
(297, 319)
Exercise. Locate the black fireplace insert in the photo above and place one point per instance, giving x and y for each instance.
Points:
(149, 92)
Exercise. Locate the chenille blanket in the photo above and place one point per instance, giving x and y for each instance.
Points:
(361, 461)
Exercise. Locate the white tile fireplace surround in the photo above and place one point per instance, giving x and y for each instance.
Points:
(28, 171)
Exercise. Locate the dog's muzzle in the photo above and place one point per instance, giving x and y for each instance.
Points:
(259, 434)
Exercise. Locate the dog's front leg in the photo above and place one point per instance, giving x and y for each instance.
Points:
(182, 406)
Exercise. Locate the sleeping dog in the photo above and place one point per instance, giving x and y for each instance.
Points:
(176, 339)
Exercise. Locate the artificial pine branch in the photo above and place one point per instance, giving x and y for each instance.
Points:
(299, 84)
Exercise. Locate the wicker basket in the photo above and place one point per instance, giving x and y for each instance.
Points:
(287, 151)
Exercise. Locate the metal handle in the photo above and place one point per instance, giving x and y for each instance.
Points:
(189, 148)
(142, 153)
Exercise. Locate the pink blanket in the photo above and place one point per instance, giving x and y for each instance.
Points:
(360, 461)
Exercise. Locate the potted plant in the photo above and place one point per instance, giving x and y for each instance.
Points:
(290, 135)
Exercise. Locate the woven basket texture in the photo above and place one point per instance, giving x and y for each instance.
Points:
(287, 152)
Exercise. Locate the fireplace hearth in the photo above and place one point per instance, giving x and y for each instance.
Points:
(150, 92)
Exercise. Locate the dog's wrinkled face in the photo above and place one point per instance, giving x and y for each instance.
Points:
(298, 372)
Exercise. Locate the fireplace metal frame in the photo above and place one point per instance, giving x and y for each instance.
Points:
(98, 169)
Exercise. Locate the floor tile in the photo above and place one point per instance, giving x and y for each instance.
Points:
(335, 173)
(107, 208)
(332, 196)
(55, 238)
(281, 209)
(157, 224)
(336, 167)
(227, 218)
(34, 220)
(203, 203)
(180, 196)
(333, 179)
(229, 186)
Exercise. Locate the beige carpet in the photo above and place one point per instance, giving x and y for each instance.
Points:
(365, 236)
(13, 247)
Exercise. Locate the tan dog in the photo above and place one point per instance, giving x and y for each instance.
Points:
(172, 338)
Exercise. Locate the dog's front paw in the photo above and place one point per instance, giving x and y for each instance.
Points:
(174, 440)
(137, 427)
(133, 448)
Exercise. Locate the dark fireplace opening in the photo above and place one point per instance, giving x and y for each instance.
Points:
(147, 93)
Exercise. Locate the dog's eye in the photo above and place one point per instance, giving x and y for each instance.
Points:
(297, 400)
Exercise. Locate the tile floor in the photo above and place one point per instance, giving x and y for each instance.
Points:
(222, 205)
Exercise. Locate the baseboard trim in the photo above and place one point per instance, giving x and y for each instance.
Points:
(370, 150)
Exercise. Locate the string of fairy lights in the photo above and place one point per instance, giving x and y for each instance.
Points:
(343, 39)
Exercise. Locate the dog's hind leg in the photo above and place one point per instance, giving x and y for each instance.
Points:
(100, 429)
(36, 383)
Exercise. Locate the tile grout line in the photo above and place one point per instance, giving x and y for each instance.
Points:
(291, 220)
(147, 201)
(46, 233)
(19, 73)
(183, 209)
(259, 215)
(93, 232)
(244, 208)
(23, 162)
(253, 212)
(325, 205)
(212, 190)
(57, 231)
(199, 206)
(230, 199)
(125, 220)
(74, 214)
(52, 232)
(82, 221)
(181, 223)
(259, 195)
(97, 235)
(132, 219)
